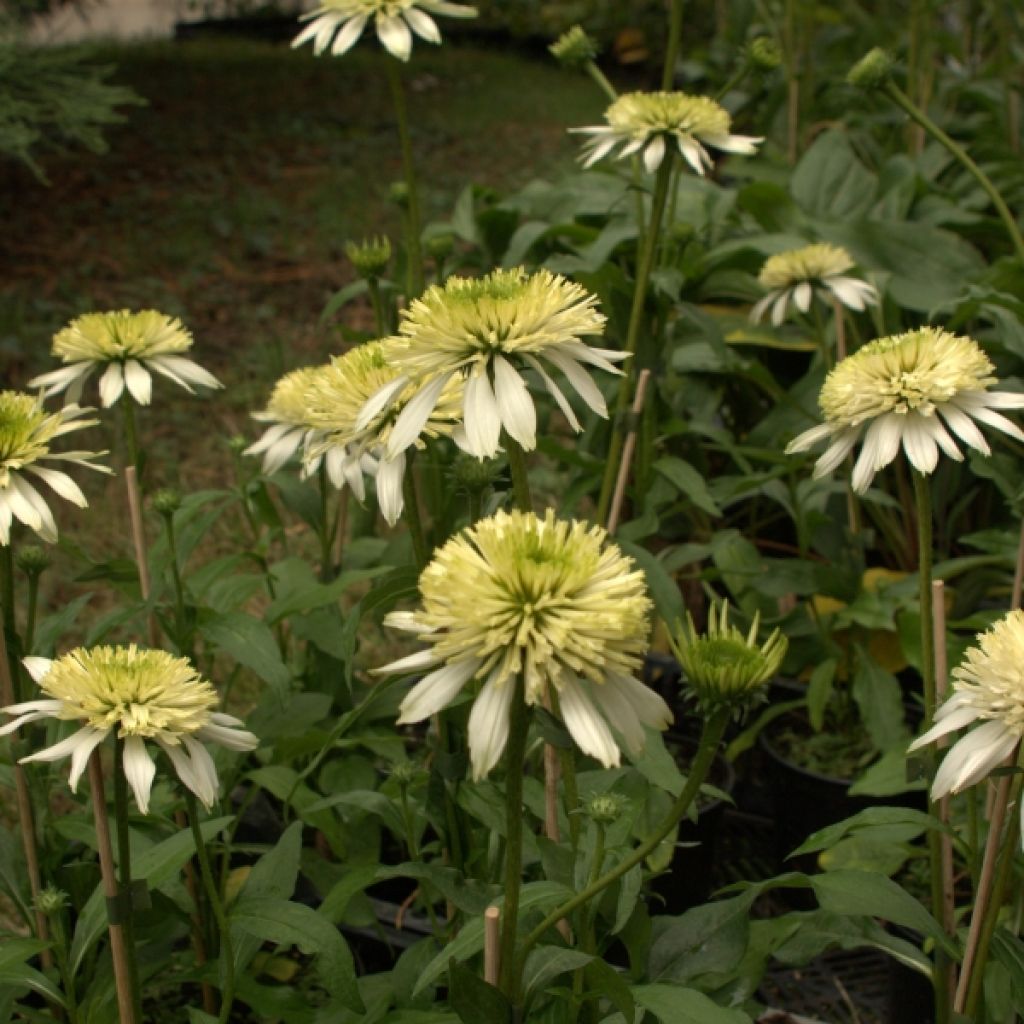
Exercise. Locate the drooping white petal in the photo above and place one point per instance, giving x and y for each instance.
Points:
(28, 506)
(394, 36)
(833, 456)
(390, 497)
(380, 400)
(919, 445)
(488, 725)
(227, 736)
(436, 690)
(973, 756)
(964, 427)
(744, 144)
(809, 438)
(758, 310)
(422, 24)
(37, 668)
(779, 307)
(586, 725)
(882, 440)
(111, 385)
(845, 292)
(654, 153)
(61, 483)
(941, 436)
(320, 29)
(139, 770)
(620, 713)
(89, 738)
(515, 406)
(349, 35)
(26, 716)
(413, 418)
(204, 772)
(57, 380)
(691, 152)
(448, 9)
(62, 749)
(481, 418)
(580, 380)
(997, 420)
(138, 381)
(802, 295)
(555, 391)
(186, 369)
(961, 717)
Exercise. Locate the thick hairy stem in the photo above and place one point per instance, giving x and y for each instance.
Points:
(520, 479)
(124, 874)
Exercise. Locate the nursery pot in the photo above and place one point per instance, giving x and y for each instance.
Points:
(911, 995)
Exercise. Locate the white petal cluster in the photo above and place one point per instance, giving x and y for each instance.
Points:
(127, 346)
(485, 332)
(552, 602)
(142, 695)
(798, 274)
(26, 432)
(915, 391)
(649, 122)
(988, 695)
(288, 413)
(396, 21)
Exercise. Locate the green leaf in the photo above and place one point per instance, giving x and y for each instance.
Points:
(23, 976)
(819, 690)
(830, 182)
(602, 979)
(53, 627)
(896, 823)
(316, 595)
(474, 1000)
(280, 921)
(545, 963)
(688, 482)
(336, 902)
(888, 776)
(672, 1004)
(664, 591)
(880, 700)
(249, 641)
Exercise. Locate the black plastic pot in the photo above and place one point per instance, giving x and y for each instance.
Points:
(911, 996)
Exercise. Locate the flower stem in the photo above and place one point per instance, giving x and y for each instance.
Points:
(675, 36)
(179, 588)
(711, 737)
(30, 615)
(12, 642)
(519, 723)
(636, 316)
(902, 100)
(124, 874)
(131, 440)
(602, 81)
(411, 515)
(379, 320)
(923, 507)
(413, 251)
(67, 976)
(520, 479)
(227, 953)
(326, 523)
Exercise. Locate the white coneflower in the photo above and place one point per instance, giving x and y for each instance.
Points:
(337, 395)
(798, 274)
(648, 122)
(487, 330)
(988, 693)
(723, 666)
(906, 390)
(26, 431)
(127, 346)
(288, 413)
(143, 695)
(395, 22)
(552, 601)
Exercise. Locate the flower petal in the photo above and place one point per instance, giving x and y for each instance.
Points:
(481, 417)
(139, 770)
(586, 726)
(111, 385)
(436, 690)
(138, 381)
(390, 496)
(394, 36)
(422, 24)
(413, 418)
(489, 724)
(515, 406)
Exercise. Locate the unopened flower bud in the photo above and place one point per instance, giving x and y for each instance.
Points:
(439, 247)
(606, 808)
(398, 193)
(51, 900)
(167, 501)
(573, 48)
(404, 772)
(872, 71)
(237, 443)
(473, 474)
(764, 54)
(370, 257)
(32, 560)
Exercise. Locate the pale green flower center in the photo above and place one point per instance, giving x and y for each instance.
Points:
(640, 114)
(385, 8)
(904, 373)
(811, 263)
(25, 430)
(289, 401)
(993, 673)
(104, 337)
(144, 693)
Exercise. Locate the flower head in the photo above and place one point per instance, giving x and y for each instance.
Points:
(550, 601)
(26, 432)
(370, 257)
(128, 345)
(646, 122)
(988, 688)
(906, 390)
(723, 666)
(288, 413)
(143, 695)
(395, 22)
(486, 330)
(797, 274)
(574, 48)
(335, 400)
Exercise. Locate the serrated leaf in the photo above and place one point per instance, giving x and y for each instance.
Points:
(249, 641)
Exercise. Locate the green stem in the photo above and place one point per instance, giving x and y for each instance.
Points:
(476, 505)
(738, 76)
(636, 316)
(903, 101)
(413, 251)
(10, 623)
(411, 514)
(67, 976)
(602, 82)
(711, 736)
(227, 953)
(675, 36)
(379, 320)
(520, 479)
(570, 788)
(30, 615)
(923, 508)
(326, 522)
(588, 942)
(519, 723)
(995, 903)
(124, 875)
(131, 441)
(179, 587)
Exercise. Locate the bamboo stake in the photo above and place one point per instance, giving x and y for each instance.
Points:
(25, 816)
(628, 447)
(118, 952)
(1018, 574)
(131, 481)
(492, 934)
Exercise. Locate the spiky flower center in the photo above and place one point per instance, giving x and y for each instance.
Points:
(143, 693)
(289, 401)
(539, 596)
(904, 373)
(508, 311)
(811, 263)
(25, 431)
(641, 114)
(120, 335)
(383, 8)
(992, 675)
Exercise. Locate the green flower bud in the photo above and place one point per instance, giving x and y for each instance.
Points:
(574, 48)
(51, 900)
(398, 193)
(404, 772)
(872, 71)
(439, 247)
(32, 560)
(606, 808)
(237, 443)
(167, 501)
(764, 54)
(473, 474)
(724, 667)
(370, 257)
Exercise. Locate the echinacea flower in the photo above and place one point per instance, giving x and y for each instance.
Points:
(724, 666)
(551, 601)
(487, 330)
(988, 694)
(143, 695)
(395, 22)
(353, 444)
(128, 346)
(796, 275)
(288, 413)
(648, 122)
(26, 432)
(906, 390)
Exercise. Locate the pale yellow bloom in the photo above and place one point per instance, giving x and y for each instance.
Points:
(288, 413)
